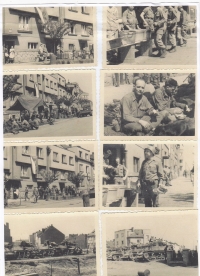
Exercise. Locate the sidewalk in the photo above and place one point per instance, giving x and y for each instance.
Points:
(180, 194)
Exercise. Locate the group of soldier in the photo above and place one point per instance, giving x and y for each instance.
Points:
(171, 20)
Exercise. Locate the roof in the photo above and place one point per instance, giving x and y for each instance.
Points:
(27, 102)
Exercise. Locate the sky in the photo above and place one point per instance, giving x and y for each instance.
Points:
(188, 156)
(171, 226)
(83, 79)
(21, 226)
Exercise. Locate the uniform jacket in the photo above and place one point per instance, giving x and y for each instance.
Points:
(172, 20)
(148, 13)
(151, 170)
(163, 100)
(129, 18)
(160, 19)
(133, 111)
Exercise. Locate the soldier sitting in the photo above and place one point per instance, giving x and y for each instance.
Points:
(25, 125)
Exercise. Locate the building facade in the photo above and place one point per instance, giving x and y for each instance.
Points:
(128, 237)
(22, 30)
(24, 165)
(49, 233)
(7, 235)
(80, 240)
(91, 241)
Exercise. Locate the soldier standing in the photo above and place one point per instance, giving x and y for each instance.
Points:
(147, 16)
(160, 29)
(182, 27)
(150, 176)
(129, 19)
(26, 193)
(171, 27)
(121, 173)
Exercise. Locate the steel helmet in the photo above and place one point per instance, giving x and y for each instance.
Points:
(151, 148)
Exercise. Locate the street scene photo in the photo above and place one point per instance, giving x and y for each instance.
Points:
(50, 244)
(156, 243)
(48, 104)
(44, 36)
(49, 176)
(150, 35)
(137, 174)
(148, 104)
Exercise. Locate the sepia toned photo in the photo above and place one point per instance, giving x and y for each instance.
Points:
(48, 36)
(147, 104)
(142, 174)
(155, 36)
(50, 176)
(144, 244)
(51, 244)
(49, 104)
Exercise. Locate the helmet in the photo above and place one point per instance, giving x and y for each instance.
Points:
(151, 148)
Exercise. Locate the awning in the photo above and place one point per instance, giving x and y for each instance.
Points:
(27, 102)
(9, 34)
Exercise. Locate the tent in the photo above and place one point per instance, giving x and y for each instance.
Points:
(27, 102)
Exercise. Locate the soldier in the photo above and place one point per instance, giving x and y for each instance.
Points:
(160, 29)
(112, 22)
(129, 19)
(171, 27)
(35, 194)
(150, 177)
(147, 16)
(26, 193)
(121, 173)
(182, 27)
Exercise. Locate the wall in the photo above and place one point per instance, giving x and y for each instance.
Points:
(53, 235)
(121, 238)
(7, 236)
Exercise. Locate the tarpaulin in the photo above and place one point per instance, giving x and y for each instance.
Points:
(27, 102)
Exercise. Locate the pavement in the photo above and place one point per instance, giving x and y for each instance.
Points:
(129, 268)
(62, 127)
(61, 203)
(180, 194)
(183, 55)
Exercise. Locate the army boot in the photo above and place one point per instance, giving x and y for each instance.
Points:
(163, 53)
(173, 49)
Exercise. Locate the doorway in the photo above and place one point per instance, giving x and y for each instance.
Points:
(9, 44)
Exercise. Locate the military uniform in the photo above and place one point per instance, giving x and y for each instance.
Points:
(149, 18)
(160, 29)
(182, 28)
(171, 26)
(120, 172)
(129, 19)
(150, 174)
(112, 24)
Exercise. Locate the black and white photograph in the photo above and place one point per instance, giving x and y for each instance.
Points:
(147, 104)
(150, 36)
(48, 36)
(50, 176)
(144, 244)
(138, 174)
(49, 104)
(51, 244)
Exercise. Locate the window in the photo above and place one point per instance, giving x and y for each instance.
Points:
(47, 83)
(32, 45)
(25, 149)
(80, 167)
(86, 156)
(24, 171)
(80, 154)
(72, 30)
(71, 160)
(64, 159)
(87, 169)
(122, 234)
(24, 23)
(122, 242)
(51, 84)
(39, 152)
(83, 29)
(117, 235)
(38, 78)
(55, 156)
(62, 175)
(73, 9)
(71, 47)
(136, 165)
(55, 85)
(31, 78)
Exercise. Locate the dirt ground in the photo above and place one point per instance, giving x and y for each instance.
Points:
(60, 266)
(129, 268)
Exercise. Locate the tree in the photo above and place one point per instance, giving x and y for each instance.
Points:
(49, 176)
(76, 179)
(10, 85)
(56, 29)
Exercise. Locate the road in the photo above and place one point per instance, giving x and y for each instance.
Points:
(128, 268)
(62, 203)
(62, 127)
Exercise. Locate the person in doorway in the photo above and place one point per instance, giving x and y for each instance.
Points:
(12, 55)
(150, 177)
(121, 173)
(26, 193)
